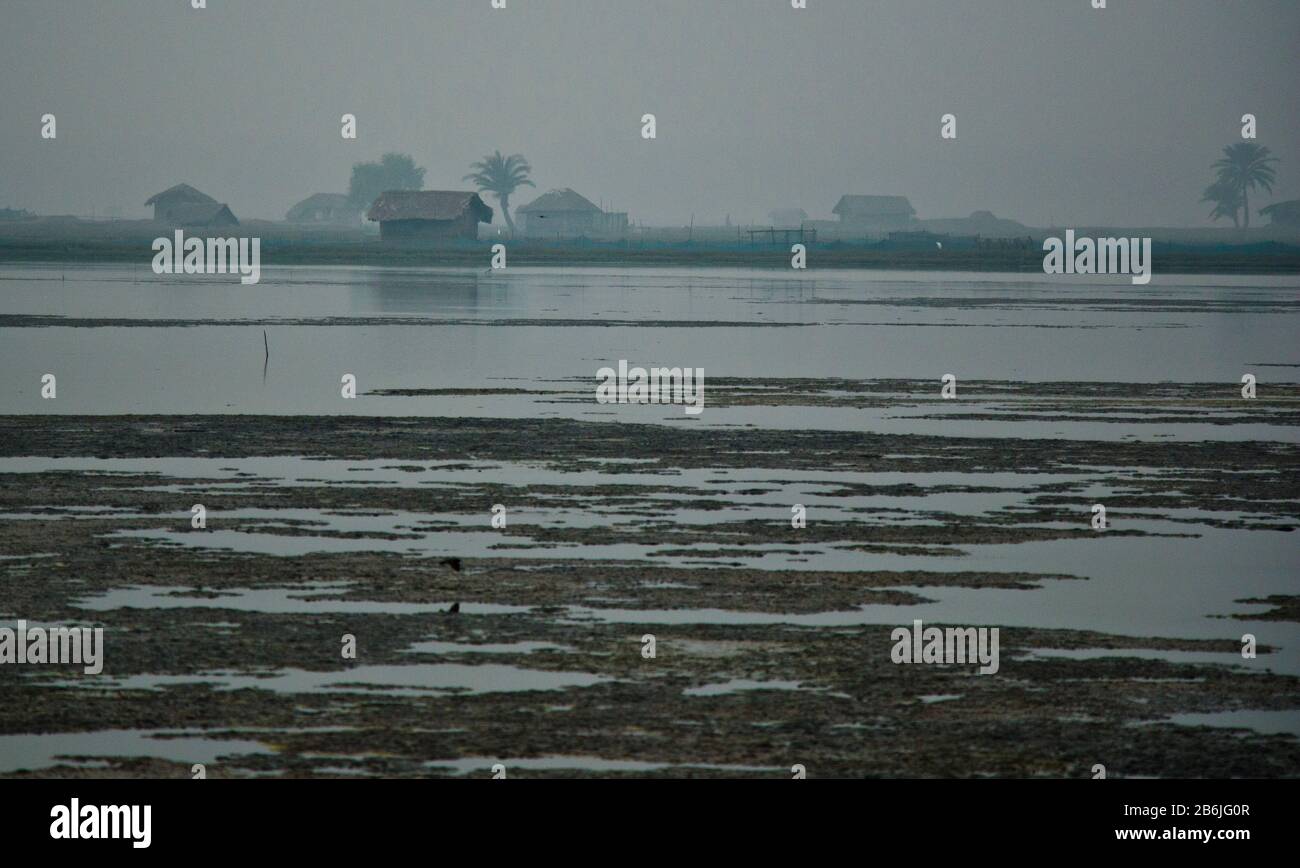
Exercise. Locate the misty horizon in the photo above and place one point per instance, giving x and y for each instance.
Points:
(1066, 114)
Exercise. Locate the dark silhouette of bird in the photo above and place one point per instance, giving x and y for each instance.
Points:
(454, 563)
(454, 610)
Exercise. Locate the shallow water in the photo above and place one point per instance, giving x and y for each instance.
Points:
(276, 600)
(1282, 722)
(478, 332)
(551, 329)
(412, 679)
(739, 685)
(34, 752)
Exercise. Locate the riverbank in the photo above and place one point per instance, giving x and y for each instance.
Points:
(278, 248)
(223, 642)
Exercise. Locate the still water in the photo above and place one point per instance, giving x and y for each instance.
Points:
(122, 340)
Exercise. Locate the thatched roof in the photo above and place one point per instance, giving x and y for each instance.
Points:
(559, 200)
(1283, 212)
(978, 223)
(874, 206)
(181, 193)
(318, 202)
(201, 214)
(428, 205)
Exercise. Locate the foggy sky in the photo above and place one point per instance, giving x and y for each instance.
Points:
(1064, 112)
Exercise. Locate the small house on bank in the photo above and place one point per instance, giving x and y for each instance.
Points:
(1283, 213)
(429, 215)
(212, 215)
(875, 213)
(183, 205)
(334, 208)
(566, 214)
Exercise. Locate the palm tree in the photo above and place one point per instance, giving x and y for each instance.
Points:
(1246, 165)
(1227, 201)
(502, 176)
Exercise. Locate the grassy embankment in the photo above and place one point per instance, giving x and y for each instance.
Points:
(130, 241)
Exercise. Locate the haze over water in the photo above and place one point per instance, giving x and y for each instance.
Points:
(477, 331)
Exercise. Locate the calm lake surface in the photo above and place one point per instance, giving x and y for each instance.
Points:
(554, 328)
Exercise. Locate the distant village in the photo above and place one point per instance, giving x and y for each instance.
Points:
(567, 215)
(563, 215)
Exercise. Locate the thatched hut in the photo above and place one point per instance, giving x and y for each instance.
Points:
(568, 214)
(1283, 213)
(168, 201)
(429, 215)
(875, 213)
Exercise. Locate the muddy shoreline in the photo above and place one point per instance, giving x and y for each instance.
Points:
(192, 654)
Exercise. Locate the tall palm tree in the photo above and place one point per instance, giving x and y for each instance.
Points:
(502, 176)
(1227, 201)
(1246, 165)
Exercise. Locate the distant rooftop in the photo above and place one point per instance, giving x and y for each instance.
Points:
(427, 205)
(874, 206)
(180, 193)
(317, 202)
(559, 200)
(1287, 211)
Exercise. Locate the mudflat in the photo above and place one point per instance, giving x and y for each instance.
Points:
(229, 636)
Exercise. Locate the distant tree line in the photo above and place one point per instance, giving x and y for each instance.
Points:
(393, 172)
